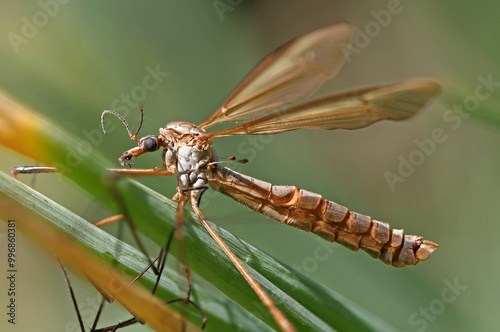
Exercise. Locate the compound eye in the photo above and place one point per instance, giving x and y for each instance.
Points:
(150, 144)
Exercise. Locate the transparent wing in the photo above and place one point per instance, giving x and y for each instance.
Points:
(293, 71)
(350, 110)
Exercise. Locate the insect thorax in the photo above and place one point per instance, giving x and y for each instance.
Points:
(189, 153)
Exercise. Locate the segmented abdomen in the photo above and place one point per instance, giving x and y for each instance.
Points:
(312, 213)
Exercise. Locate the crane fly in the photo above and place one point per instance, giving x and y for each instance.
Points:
(293, 71)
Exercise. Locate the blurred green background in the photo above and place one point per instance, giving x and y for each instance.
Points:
(83, 57)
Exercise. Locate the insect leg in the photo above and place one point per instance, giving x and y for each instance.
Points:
(49, 169)
(109, 220)
(32, 170)
(157, 171)
(73, 298)
(127, 322)
(202, 314)
(177, 233)
(123, 207)
(98, 314)
(278, 316)
(46, 169)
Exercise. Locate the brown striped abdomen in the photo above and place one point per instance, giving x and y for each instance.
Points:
(312, 213)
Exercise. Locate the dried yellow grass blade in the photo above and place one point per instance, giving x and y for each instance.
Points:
(20, 126)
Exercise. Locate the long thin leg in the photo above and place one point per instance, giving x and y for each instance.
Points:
(45, 169)
(278, 316)
(32, 170)
(98, 314)
(123, 207)
(162, 257)
(163, 254)
(179, 236)
(109, 220)
(73, 298)
(117, 326)
(158, 171)
(133, 320)
(144, 271)
(202, 314)
(178, 233)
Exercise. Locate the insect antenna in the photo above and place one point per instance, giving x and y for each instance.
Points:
(140, 121)
(132, 137)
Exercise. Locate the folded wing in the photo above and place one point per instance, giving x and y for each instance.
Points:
(293, 71)
(350, 110)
